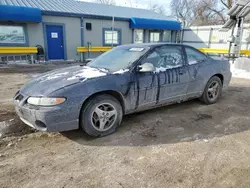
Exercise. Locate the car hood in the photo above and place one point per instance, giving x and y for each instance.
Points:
(54, 80)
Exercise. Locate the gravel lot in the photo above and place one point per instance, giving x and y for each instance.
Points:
(180, 146)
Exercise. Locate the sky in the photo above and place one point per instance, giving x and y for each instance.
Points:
(140, 3)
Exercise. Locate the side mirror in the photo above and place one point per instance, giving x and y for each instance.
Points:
(147, 67)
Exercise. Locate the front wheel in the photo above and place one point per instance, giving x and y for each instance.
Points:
(101, 115)
(212, 91)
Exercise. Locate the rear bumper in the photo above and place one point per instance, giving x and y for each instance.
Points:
(50, 119)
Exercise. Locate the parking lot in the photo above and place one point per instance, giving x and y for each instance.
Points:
(183, 145)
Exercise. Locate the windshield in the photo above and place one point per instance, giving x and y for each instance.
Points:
(118, 58)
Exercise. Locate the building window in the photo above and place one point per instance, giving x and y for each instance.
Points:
(138, 35)
(166, 36)
(111, 37)
(155, 37)
(12, 35)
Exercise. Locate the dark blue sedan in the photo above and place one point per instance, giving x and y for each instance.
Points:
(125, 80)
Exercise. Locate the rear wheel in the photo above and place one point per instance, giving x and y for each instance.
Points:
(212, 91)
(101, 115)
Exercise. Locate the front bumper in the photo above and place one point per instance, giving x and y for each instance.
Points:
(51, 119)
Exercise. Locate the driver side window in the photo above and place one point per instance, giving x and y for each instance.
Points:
(167, 57)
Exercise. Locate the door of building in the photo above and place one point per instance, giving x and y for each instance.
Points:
(55, 42)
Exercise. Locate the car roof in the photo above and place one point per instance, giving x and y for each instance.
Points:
(150, 45)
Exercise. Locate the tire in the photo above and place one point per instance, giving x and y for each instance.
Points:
(101, 115)
(208, 97)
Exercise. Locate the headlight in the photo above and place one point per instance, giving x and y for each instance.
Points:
(42, 101)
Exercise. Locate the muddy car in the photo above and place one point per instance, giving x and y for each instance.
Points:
(127, 79)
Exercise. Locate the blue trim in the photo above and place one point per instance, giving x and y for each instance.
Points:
(161, 36)
(54, 13)
(145, 23)
(82, 31)
(45, 38)
(149, 36)
(133, 36)
(110, 29)
(144, 35)
(19, 13)
(172, 36)
(25, 34)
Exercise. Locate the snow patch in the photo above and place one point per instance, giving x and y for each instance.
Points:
(121, 71)
(51, 77)
(88, 72)
(160, 69)
(192, 62)
(240, 73)
(56, 76)
(163, 69)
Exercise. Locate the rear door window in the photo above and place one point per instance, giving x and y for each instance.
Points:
(166, 57)
(194, 56)
(170, 57)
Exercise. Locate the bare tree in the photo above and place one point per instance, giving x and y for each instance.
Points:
(214, 12)
(108, 2)
(157, 8)
(201, 12)
(184, 10)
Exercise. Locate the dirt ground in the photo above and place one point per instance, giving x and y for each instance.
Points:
(189, 145)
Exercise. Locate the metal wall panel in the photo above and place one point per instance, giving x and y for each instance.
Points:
(72, 33)
(95, 35)
(204, 37)
(35, 34)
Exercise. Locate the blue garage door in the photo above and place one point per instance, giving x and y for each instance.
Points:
(55, 42)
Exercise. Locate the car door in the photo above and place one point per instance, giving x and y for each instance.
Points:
(173, 74)
(146, 83)
(197, 66)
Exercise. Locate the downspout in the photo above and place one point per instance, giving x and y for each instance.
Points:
(82, 36)
(182, 35)
(210, 37)
(183, 25)
(231, 42)
(113, 25)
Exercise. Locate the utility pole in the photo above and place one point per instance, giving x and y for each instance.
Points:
(229, 3)
(237, 14)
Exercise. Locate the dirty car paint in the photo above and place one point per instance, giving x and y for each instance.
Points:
(138, 91)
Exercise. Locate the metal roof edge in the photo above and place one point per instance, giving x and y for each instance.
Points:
(67, 14)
